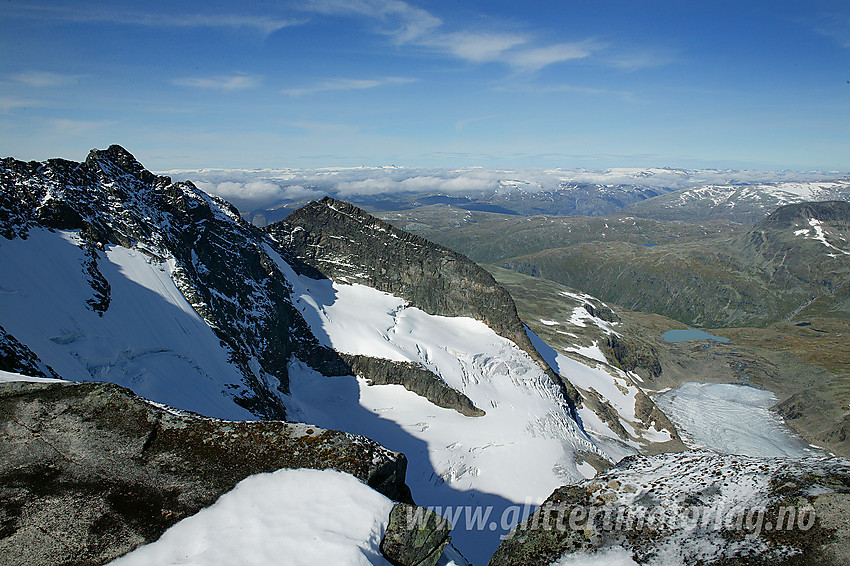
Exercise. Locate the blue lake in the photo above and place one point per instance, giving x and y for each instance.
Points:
(690, 334)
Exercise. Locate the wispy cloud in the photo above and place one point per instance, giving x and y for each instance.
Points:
(409, 25)
(64, 126)
(536, 59)
(635, 60)
(460, 125)
(325, 127)
(474, 47)
(9, 103)
(263, 24)
(348, 84)
(231, 82)
(835, 27)
(44, 79)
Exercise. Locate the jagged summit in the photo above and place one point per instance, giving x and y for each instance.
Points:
(118, 157)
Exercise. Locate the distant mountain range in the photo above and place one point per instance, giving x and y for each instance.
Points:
(266, 196)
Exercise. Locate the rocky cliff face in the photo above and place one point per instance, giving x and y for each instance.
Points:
(17, 358)
(414, 378)
(90, 471)
(340, 240)
(334, 239)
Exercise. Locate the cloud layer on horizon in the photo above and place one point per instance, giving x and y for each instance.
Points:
(256, 188)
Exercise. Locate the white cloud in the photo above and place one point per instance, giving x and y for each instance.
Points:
(535, 59)
(251, 189)
(254, 189)
(414, 181)
(297, 192)
(475, 47)
(8, 103)
(232, 82)
(263, 24)
(43, 79)
(409, 25)
(257, 192)
(348, 84)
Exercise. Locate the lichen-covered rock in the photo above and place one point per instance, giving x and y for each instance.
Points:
(415, 536)
(695, 508)
(89, 471)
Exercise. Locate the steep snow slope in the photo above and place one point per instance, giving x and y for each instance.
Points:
(8, 377)
(149, 339)
(519, 451)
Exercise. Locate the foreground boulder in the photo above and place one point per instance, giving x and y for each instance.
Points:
(90, 471)
(415, 536)
(696, 508)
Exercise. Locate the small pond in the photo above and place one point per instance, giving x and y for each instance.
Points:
(690, 334)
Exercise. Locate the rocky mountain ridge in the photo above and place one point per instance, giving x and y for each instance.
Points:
(339, 241)
(112, 200)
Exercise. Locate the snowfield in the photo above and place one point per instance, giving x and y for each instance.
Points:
(9, 377)
(297, 517)
(819, 234)
(731, 419)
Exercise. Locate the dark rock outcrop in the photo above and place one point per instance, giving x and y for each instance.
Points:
(415, 536)
(340, 240)
(631, 354)
(413, 377)
(17, 358)
(90, 471)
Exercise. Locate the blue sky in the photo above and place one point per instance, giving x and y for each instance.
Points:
(455, 83)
